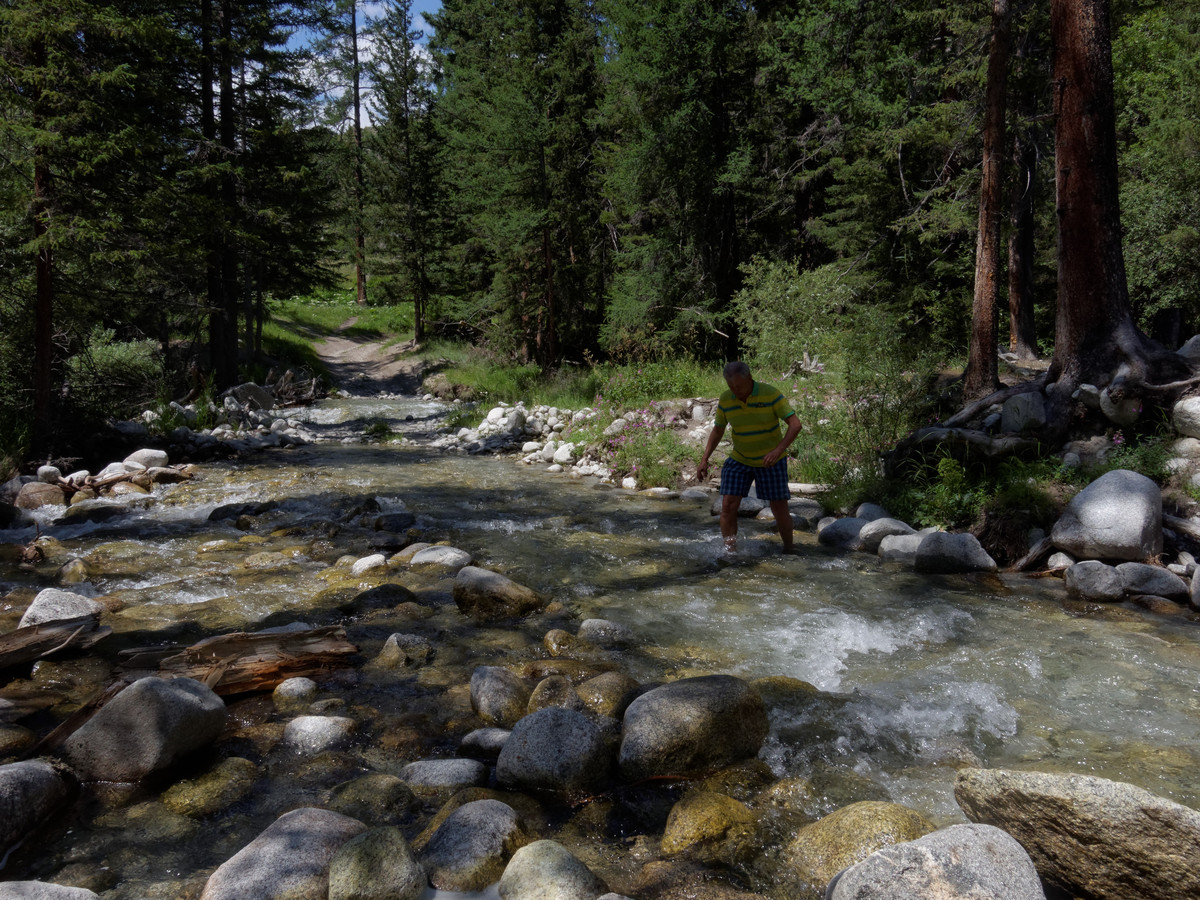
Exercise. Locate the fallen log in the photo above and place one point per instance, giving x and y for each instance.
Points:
(1039, 550)
(241, 662)
(35, 642)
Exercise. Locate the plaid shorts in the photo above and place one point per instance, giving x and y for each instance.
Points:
(772, 481)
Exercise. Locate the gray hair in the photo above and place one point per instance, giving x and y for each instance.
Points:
(735, 369)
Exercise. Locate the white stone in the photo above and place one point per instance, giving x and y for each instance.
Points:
(367, 563)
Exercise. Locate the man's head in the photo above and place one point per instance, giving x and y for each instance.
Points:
(737, 376)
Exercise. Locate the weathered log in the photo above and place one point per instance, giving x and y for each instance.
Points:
(37, 641)
(240, 662)
(1184, 526)
(1040, 549)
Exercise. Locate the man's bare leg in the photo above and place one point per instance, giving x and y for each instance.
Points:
(783, 521)
(730, 504)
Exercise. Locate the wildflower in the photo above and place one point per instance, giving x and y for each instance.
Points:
(1118, 439)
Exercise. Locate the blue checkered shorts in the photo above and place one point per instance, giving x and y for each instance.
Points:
(772, 481)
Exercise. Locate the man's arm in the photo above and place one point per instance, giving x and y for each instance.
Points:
(714, 438)
(793, 429)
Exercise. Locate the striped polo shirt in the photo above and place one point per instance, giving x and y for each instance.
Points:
(755, 423)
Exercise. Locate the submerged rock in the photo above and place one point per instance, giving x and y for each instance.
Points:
(485, 595)
(438, 779)
(499, 696)
(703, 819)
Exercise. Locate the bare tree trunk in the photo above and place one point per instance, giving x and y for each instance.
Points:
(43, 321)
(226, 363)
(981, 378)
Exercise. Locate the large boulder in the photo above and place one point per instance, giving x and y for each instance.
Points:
(470, 849)
(54, 604)
(485, 595)
(30, 792)
(1117, 516)
(1024, 412)
(962, 862)
(692, 726)
(847, 836)
(145, 728)
(946, 553)
(376, 865)
(554, 749)
(546, 870)
(288, 861)
(1091, 837)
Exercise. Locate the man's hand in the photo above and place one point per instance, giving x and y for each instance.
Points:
(702, 469)
(772, 457)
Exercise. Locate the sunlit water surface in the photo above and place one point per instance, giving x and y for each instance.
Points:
(923, 675)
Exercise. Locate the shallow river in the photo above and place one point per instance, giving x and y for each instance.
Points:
(923, 674)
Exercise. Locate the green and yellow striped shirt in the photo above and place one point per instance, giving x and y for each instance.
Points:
(755, 423)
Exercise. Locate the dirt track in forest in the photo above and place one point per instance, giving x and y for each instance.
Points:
(360, 365)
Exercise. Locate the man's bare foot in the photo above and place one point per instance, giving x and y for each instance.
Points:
(731, 545)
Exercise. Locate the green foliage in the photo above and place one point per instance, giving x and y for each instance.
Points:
(1148, 455)
(628, 386)
(379, 430)
(113, 379)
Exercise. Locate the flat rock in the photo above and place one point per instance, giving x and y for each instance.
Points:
(1090, 836)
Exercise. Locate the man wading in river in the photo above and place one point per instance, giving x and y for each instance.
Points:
(754, 410)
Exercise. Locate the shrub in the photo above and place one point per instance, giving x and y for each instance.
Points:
(110, 378)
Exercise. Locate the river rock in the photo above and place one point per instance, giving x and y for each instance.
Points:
(54, 604)
(484, 743)
(847, 836)
(439, 779)
(49, 474)
(440, 558)
(376, 799)
(946, 553)
(313, 735)
(1094, 580)
(402, 651)
(546, 870)
(485, 595)
(294, 693)
(692, 726)
(1090, 836)
(1117, 516)
(37, 494)
(145, 728)
(43, 890)
(1141, 578)
(376, 865)
(148, 458)
(608, 694)
(703, 818)
(30, 791)
(841, 534)
(554, 690)
(288, 861)
(253, 396)
(962, 862)
(554, 749)
(470, 848)
(499, 696)
(901, 548)
(871, 535)
(870, 512)
(229, 781)
(605, 634)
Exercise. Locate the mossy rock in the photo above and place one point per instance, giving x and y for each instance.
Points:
(703, 819)
(847, 836)
(215, 790)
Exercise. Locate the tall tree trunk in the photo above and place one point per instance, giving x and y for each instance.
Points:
(1094, 327)
(227, 361)
(360, 271)
(981, 378)
(208, 128)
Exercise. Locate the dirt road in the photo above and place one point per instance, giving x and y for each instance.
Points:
(367, 367)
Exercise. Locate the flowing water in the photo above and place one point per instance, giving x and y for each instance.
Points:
(918, 676)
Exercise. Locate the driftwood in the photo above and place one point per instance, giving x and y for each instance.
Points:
(1183, 526)
(1040, 549)
(240, 662)
(37, 641)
